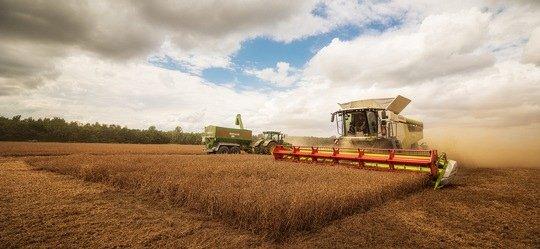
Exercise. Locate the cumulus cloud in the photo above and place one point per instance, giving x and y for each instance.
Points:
(25, 66)
(505, 95)
(198, 34)
(458, 67)
(134, 94)
(64, 22)
(443, 44)
(283, 75)
(215, 18)
(203, 34)
(106, 28)
(35, 35)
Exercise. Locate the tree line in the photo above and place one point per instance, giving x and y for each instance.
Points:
(60, 130)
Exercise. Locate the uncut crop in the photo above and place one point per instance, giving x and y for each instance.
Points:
(52, 148)
(253, 192)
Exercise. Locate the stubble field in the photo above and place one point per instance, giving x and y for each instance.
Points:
(176, 200)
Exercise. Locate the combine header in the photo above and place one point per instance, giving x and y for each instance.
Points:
(424, 161)
(375, 127)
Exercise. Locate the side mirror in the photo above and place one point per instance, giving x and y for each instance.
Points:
(333, 117)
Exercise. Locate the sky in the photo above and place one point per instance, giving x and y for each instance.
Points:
(284, 65)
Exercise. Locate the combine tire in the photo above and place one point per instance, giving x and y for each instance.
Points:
(223, 150)
(257, 150)
(234, 150)
(270, 148)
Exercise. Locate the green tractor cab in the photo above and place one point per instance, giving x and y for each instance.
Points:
(269, 140)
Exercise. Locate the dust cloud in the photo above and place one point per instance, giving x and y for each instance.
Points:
(516, 147)
(513, 147)
(310, 141)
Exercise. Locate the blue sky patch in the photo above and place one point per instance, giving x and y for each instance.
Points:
(320, 10)
(168, 62)
(263, 52)
(235, 76)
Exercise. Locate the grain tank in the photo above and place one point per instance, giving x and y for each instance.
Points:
(224, 140)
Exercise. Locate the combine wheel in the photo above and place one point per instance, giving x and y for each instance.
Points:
(257, 150)
(385, 144)
(270, 148)
(223, 150)
(234, 150)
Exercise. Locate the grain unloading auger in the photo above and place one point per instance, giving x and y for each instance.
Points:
(373, 135)
(437, 166)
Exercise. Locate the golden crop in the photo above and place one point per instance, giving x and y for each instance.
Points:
(253, 192)
(51, 148)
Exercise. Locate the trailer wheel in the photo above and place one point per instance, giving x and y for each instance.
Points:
(234, 150)
(223, 150)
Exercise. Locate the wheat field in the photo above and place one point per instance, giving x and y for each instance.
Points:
(53, 148)
(109, 196)
(271, 198)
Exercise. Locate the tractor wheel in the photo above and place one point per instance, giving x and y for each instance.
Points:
(270, 148)
(234, 150)
(223, 150)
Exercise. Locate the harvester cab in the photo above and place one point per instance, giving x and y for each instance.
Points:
(377, 123)
(373, 135)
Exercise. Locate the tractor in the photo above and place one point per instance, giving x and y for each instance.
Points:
(268, 142)
(225, 140)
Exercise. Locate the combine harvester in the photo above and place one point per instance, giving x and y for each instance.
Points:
(374, 136)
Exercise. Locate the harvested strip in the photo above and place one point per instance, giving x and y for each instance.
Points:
(51, 149)
(253, 192)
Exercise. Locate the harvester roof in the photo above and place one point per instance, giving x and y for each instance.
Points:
(395, 105)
